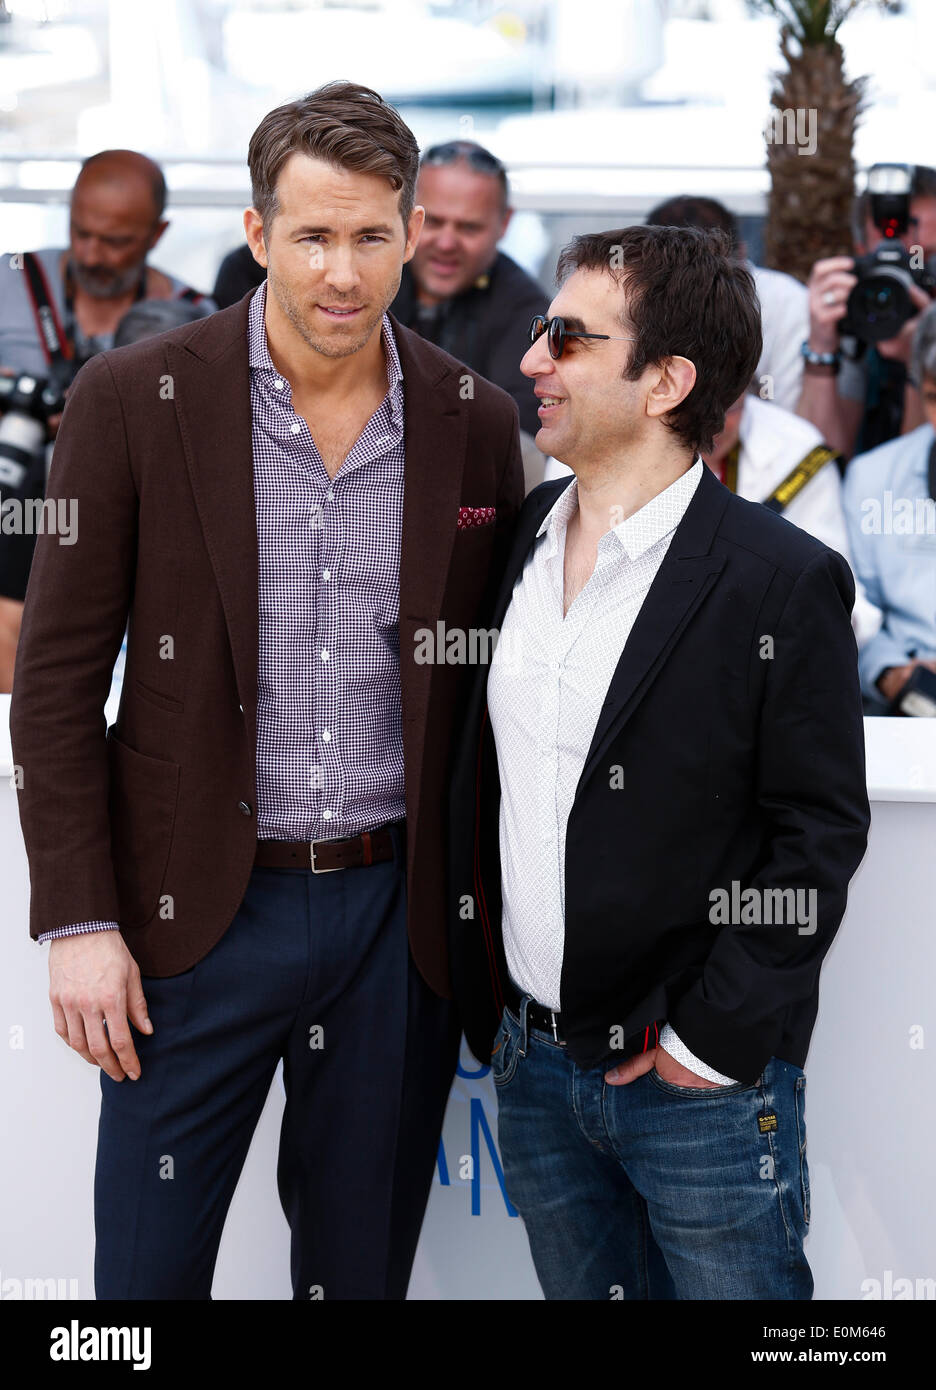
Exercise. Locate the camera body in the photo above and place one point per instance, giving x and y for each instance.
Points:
(27, 402)
(880, 304)
(36, 396)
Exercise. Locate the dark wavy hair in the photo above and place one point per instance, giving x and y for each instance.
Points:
(686, 296)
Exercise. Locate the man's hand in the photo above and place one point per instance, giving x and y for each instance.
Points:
(93, 978)
(666, 1066)
(896, 677)
(830, 283)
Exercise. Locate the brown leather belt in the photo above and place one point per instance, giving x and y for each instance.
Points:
(325, 856)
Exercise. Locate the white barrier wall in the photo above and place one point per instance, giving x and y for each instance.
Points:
(871, 1079)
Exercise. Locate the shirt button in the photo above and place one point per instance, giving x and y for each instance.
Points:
(295, 427)
(326, 574)
(326, 815)
(243, 807)
(324, 654)
(330, 494)
(326, 735)
(278, 384)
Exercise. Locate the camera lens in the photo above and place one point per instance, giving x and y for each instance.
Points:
(880, 304)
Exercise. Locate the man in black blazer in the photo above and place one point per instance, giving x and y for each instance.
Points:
(658, 803)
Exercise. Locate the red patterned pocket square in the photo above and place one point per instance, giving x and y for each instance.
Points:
(475, 516)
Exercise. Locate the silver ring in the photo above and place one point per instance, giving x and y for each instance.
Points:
(829, 297)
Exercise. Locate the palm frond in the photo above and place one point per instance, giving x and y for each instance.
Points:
(815, 23)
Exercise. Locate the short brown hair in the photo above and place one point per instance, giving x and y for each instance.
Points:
(686, 297)
(689, 210)
(349, 126)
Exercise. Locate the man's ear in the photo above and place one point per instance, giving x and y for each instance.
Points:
(416, 219)
(253, 231)
(157, 232)
(675, 379)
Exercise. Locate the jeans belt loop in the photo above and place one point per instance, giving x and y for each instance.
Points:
(524, 1004)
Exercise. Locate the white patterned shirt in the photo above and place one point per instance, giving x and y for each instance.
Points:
(548, 681)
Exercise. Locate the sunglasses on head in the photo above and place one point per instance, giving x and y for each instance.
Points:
(557, 333)
(453, 150)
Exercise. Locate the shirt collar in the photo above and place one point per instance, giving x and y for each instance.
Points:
(259, 352)
(654, 520)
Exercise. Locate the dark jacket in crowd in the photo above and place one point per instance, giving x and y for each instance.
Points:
(487, 327)
(237, 274)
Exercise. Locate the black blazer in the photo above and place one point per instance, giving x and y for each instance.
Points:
(735, 718)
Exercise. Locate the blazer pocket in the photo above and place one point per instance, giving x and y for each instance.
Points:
(155, 655)
(156, 697)
(144, 792)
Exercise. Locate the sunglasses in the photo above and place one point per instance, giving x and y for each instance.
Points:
(453, 150)
(557, 333)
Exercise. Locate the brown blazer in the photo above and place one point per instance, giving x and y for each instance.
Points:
(144, 823)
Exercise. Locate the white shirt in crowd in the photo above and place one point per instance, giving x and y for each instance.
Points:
(785, 327)
(548, 681)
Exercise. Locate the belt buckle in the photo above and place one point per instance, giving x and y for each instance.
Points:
(337, 869)
(555, 1031)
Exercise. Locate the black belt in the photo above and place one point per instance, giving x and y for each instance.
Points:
(325, 856)
(538, 1016)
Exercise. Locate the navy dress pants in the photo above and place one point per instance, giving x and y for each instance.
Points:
(315, 969)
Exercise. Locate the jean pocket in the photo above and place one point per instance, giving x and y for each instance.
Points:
(801, 1139)
(504, 1054)
(702, 1092)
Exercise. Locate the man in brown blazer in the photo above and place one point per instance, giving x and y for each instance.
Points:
(248, 866)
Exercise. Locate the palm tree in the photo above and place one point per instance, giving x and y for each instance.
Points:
(814, 107)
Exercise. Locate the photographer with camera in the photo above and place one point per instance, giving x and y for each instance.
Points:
(58, 307)
(864, 311)
(890, 508)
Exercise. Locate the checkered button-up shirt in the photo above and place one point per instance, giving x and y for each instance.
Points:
(329, 731)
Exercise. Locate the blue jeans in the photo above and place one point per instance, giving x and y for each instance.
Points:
(650, 1190)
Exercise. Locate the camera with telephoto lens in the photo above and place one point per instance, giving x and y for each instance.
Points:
(880, 304)
(27, 402)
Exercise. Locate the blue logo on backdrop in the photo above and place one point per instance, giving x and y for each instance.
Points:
(478, 1128)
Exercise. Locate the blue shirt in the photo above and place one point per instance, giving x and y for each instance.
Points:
(892, 531)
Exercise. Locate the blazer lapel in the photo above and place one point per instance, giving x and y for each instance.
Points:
(435, 442)
(436, 434)
(210, 375)
(684, 578)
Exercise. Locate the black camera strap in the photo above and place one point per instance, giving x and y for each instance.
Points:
(57, 346)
